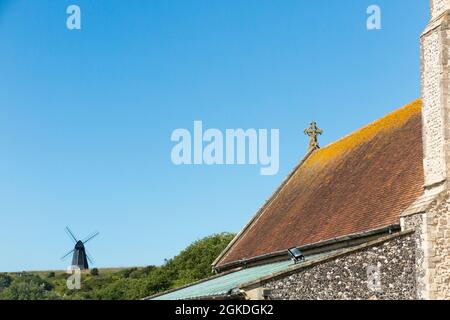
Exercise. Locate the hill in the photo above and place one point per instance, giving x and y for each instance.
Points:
(192, 264)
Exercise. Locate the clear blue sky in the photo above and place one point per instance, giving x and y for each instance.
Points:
(86, 116)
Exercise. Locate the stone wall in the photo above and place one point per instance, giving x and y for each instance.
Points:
(351, 276)
(437, 249)
(433, 111)
(417, 222)
(432, 239)
(433, 227)
(438, 7)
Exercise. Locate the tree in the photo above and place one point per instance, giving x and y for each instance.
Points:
(94, 272)
(28, 289)
(194, 263)
(5, 281)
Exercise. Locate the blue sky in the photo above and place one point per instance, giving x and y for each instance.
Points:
(86, 116)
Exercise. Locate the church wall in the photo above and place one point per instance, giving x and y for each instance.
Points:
(432, 238)
(417, 222)
(438, 7)
(433, 229)
(437, 249)
(351, 276)
(433, 112)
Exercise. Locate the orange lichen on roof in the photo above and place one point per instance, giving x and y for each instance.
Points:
(390, 121)
(361, 182)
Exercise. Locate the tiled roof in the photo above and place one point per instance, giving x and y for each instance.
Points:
(361, 182)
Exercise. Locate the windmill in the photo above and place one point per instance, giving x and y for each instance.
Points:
(81, 258)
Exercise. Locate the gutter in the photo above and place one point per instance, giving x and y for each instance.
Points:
(314, 248)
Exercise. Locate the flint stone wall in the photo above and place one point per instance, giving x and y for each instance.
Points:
(438, 7)
(437, 249)
(349, 277)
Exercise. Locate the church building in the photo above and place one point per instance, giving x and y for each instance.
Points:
(366, 217)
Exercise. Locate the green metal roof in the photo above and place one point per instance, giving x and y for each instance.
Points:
(225, 284)
(229, 283)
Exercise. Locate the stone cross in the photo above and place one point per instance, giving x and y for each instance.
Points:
(313, 132)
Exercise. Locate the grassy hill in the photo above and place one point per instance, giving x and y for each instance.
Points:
(192, 264)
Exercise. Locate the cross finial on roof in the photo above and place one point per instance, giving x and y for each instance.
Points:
(313, 132)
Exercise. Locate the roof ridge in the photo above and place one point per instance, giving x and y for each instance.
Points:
(373, 123)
